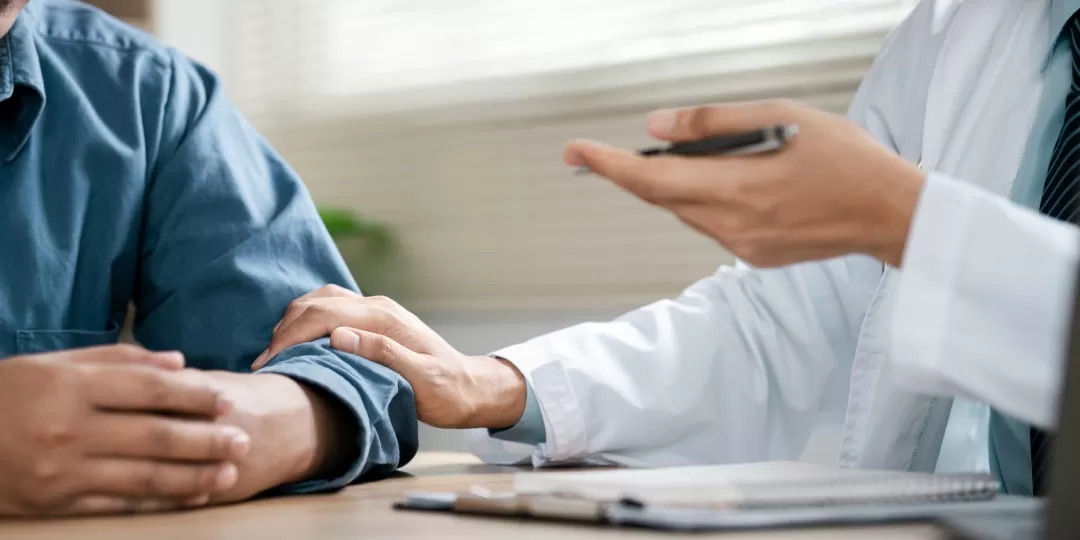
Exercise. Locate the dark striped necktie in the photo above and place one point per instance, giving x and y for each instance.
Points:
(1059, 201)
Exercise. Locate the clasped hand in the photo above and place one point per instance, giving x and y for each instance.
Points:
(111, 429)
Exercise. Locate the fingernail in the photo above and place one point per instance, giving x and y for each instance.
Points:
(259, 361)
(238, 446)
(661, 122)
(197, 500)
(226, 477)
(171, 359)
(347, 340)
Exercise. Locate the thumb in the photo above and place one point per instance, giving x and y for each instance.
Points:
(375, 347)
(692, 123)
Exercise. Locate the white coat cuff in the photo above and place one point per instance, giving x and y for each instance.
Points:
(983, 304)
(931, 261)
(564, 426)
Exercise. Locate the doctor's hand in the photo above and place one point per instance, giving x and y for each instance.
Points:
(831, 191)
(452, 390)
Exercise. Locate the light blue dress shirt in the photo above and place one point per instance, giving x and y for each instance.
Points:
(127, 176)
(1010, 452)
(530, 428)
(1010, 441)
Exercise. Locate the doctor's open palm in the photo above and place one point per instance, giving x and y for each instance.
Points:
(453, 390)
(831, 191)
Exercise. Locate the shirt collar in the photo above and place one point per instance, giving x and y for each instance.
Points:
(22, 89)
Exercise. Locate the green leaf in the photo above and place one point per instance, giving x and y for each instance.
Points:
(341, 222)
(347, 224)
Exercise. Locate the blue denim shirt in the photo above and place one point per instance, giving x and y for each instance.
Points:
(126, 176)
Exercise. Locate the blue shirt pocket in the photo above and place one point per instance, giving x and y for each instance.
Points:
(42, 341)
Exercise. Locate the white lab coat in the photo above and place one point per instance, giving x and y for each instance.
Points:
(842, 357)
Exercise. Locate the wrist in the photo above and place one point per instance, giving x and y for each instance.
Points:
(314, 428)
(503, 395)
(892, 217)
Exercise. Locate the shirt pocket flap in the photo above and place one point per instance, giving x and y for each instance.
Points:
(42, 341)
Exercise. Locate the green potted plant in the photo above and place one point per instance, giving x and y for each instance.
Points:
(370, 250)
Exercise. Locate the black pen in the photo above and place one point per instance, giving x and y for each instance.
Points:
(757, 141)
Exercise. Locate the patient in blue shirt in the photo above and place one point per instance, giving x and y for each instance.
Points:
(127, 177)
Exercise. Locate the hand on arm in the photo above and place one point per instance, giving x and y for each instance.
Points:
(452, 390)
(831, 191)
(111, 429)
(229, 237)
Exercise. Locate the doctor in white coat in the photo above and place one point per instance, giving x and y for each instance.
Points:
(928, 297)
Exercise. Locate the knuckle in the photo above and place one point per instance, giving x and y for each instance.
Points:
(54, 433)
(380, 300)
(317, 309)
(160, 438)
(45, 471)
(385, 347)
(146, 506)
(297, 305)
(217, 445)
(385, 322)
(127, 506)
(337, 290)
(153, 479)
(696, 120)
(158, 391)
(205, 479)
(127, 349)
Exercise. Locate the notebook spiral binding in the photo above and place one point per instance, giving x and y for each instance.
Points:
(887, 488)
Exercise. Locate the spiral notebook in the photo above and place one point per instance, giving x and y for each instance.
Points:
(762, 495)
(758, 485)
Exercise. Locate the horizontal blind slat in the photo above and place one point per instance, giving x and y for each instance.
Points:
(487, 215)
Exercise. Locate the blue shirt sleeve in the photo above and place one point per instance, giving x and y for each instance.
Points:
(530, 428)
(230, 236)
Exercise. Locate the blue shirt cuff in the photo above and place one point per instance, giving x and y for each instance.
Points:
(382, 403)
(530, 428)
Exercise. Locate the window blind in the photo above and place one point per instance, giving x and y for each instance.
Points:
(447, 119)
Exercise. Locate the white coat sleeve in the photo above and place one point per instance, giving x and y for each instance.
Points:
(984, 301)
(743, 366)
(734, 369)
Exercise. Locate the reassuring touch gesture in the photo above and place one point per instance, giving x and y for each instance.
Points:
(453, 390)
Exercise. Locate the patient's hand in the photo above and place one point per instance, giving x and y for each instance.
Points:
(452, 390)
(296, 432)
(111, 429)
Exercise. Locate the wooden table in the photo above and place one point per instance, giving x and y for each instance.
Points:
(365, 512)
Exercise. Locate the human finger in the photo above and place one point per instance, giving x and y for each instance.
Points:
(163, 438)
(148, 389)
(152, 479)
